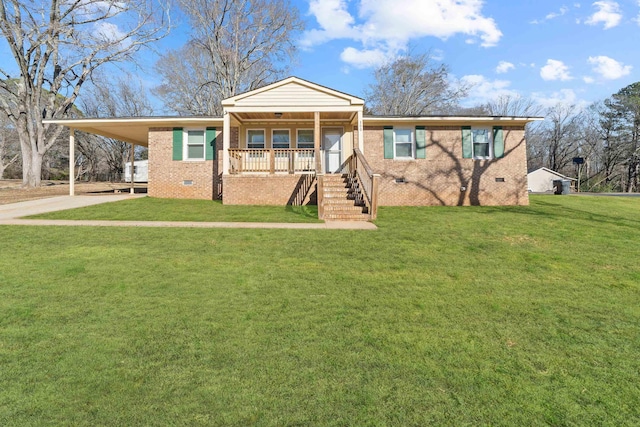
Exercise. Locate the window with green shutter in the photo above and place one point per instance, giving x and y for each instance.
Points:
(421, 143)
(195, 144)
(482, 143)
(467, 147)
(177, 143)
(210, 147)
(498, 142)
(388, 142)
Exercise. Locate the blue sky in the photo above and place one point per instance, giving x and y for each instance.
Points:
(574, 52)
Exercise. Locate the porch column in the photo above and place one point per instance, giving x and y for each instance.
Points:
(131, 158)
(360, 132)
(226, 141)
(316, 141)
(72, 162)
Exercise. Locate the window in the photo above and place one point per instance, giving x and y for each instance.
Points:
(255, 138)
(403, 143)
(481, 143)
(305, 138)
(195, 144)
(280, 138)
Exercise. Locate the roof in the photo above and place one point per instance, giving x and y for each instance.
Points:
(133, 130)
(291, 98)
(454, 120)
(558, 174)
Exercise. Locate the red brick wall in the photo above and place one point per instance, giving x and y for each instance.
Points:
(279, 190)
(444, 177)
(167, 176)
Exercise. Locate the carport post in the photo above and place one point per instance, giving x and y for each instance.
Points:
(132, 156)
(72, 161)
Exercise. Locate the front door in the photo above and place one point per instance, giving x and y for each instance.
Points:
(332, 147)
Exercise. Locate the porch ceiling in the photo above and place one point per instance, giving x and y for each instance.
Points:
(294, 116)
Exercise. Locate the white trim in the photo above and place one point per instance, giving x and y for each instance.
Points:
(226, 143)
(264, 143)
(298, 140)
(489, 142)
(465, 119)
(281, 129)
(72, 162)
(412, 133)
(185, 144)
(295, 109)
(323, 151)
(360, 132)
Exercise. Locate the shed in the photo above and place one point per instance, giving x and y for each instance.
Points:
(140, 171)
(541, 180)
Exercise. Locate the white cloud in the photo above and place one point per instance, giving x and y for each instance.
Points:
(437, 54)
(608, 13)
(609, 68)
(484, 90)
(588, 80)
(564, 97)
(504, 66)
(108, 32)
(553, 15)
(363, 58)
(389, 25)
(334, 19)
(555, 70)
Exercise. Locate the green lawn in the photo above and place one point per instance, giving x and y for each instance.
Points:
(511, 316)
(153, 209)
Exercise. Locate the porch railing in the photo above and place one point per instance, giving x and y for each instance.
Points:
(288, 160)
(364, 180)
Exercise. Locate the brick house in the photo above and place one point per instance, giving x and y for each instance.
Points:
(296, 142)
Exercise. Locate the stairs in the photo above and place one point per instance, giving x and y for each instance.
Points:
(340, 200)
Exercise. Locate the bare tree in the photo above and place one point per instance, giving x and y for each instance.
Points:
(235, 46)
(519, 106)
(514, 106)
(8, 152)
(413, 85)
(123, 96)
(189, 93)
(626, 106)
(558, 139)
(56, 45)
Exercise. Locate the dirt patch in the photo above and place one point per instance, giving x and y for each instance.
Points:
(11, 191)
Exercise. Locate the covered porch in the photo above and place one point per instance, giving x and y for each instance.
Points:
(301, 130)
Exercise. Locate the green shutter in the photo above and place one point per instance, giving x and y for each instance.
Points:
(177, 143)
(467, 148)
(421, 143)
(498, 142)
(388, 142)
(210, 144)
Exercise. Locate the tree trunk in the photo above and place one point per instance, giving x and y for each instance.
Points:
(32, 164)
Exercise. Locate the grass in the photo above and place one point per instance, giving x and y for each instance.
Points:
(444, 316)
(154, 209)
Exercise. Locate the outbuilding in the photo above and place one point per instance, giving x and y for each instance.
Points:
(541, 180)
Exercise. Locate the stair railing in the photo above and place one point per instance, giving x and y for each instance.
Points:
(363, 181)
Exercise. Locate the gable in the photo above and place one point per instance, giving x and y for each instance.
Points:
(292, 95)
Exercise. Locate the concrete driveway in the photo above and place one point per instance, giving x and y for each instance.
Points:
(60, 203)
